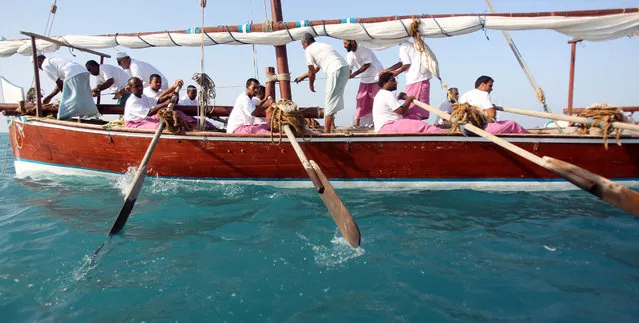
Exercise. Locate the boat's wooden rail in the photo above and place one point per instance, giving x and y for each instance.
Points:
(191, 110)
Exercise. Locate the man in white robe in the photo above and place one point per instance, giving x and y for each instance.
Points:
(363, 63)
(140, 69)
(242, 117)
(109, 77)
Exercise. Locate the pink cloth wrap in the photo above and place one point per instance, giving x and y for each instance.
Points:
(501, 127)
(365, 95)
(421, 92)
(259, 129)
(153, 121)
(409, 125)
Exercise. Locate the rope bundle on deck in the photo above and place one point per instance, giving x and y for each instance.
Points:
(174, 123)
(604, 115)
(285, 112)
(466, 113)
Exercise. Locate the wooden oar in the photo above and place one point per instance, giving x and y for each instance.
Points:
(136, 186)
(553, 116)
(341, 216)
(133, 191)
(603, 188)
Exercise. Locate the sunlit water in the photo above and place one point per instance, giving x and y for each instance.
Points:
(206, 252)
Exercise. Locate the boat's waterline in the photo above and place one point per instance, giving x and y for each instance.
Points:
(34, 169)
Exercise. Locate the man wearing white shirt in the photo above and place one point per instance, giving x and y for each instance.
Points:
(191, 97)
(480, 97)
(140, 69)
(259, 100)
(389, 116)
(155, 86)
(323, 56)
(109, 77)
(417, 78)
(367, 66)
(73, 80)
(447, 106)
(242, 117)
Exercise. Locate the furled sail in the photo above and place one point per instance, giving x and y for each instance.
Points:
(592, 25)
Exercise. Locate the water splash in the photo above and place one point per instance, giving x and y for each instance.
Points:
(125, 180)
(338, 253)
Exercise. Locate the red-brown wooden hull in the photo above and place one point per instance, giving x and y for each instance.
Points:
(357, 157)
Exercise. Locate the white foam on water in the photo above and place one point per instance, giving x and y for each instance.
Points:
(337, 253)
(125, 180)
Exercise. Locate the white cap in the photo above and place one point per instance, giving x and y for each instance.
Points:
(119, 55)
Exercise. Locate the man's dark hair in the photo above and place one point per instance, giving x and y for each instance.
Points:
(251, 80)
(41, 57)
(308, 37)
(154, 76)
(483, 79)
(191, 87)
(91, 63)
(384, 78)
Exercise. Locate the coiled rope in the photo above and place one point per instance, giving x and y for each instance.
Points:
(285, 112)
(465, 113)
(603, 115)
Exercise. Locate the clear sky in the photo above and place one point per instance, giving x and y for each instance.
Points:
(606, 71)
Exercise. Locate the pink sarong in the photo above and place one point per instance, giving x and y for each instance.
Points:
(365, 95)
(259, 129)
(421, 92)
(409, 125)
(151, 122)
(509, 126)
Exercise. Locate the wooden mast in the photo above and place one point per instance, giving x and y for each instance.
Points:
(571, 82)
(281, 55)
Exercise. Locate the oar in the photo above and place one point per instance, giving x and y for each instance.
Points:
(605, 189)
(341, 216)
(553, 116)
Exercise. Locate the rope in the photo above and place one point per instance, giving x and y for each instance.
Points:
(365, 30)
(464, 113)
(202, 98)
(538, 91)
(207, 93)
(171, 38)
(174, 123)
(602, 116)
(140, 37)
(116, 39)
(288, 31)
(231, 34)
(440, 27)
(285, 112)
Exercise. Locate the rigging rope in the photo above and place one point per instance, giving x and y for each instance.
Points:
(465, 113)
(603, 115)
(205, 93)
(286, 112)
(538, 91)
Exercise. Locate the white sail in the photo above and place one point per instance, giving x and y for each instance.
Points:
(377, 35)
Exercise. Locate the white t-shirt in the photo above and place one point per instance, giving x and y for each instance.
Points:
(362, 57)
(60, 68)
(417, 71)
(143, 71)
(241, 113)
(447, 107)
(324, 56)
(258, 120)
(137, 109)
(119, 76)
(384, 106)
(188, 101)
(148, 91)
(478, 98)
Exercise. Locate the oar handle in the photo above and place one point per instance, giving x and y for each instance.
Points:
(300, 154)
(553, 116)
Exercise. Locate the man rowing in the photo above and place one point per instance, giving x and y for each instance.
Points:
(389, 116)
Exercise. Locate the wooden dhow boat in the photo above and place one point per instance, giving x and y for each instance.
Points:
(350, 158)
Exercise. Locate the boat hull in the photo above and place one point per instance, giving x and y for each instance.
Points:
(355, 160)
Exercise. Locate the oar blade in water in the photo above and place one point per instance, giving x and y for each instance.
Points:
(603, 188)
(341, 216)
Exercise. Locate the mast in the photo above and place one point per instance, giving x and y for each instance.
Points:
(281, 55)
(571, 82)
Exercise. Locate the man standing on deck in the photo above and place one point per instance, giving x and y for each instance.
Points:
(323, 56)
(73, 81)
(140, 69)
(480, 97)
(365, 64)
(417, 78)
(109, 77)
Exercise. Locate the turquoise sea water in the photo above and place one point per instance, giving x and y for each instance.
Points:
(239, 253)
